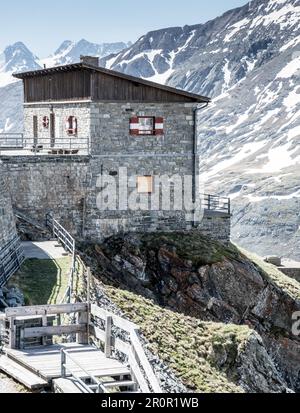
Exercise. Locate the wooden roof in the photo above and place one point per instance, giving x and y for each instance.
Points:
(138, 81)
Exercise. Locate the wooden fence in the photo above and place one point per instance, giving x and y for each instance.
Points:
(114, 333)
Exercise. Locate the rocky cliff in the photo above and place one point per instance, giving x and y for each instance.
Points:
(184, 284)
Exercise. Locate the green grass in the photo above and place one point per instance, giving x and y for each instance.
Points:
(287, 284)
(42, 281)
(190, 347)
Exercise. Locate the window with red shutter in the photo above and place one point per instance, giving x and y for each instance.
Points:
(159, 126)
(146, 125)
(71, 125)
(46, 122)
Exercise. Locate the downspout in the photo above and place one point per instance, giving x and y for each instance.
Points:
(195, 153)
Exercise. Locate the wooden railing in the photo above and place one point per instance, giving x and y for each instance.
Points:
(116, 335)
(44, 313)
(68, 145)
(11, 141)
(131, 348)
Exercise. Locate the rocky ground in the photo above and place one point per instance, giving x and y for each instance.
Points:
(9, 386)
(176, 285)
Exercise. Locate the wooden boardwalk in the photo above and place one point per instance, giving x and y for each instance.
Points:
(31, 358)
(45, 362)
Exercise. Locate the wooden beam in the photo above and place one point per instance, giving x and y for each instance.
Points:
(54, 331)
(108, 325)
(42, 310)
(82, 337)
(117, 321)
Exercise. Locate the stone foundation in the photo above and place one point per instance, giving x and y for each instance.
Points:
(67, 187)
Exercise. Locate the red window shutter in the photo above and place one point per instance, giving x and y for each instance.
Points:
(134, 126)
(159, 126)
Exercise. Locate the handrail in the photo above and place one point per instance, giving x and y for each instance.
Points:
(137, 351)
(64, 368)
(216, 203)
(11, 259)
(69, 245)
(40, 144)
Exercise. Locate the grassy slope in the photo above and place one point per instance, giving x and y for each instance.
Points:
(42, 281)
(187, 345)
(289, 285)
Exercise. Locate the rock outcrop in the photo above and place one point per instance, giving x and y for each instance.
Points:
(197, 277)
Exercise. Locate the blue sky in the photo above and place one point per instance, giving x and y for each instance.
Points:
(43, 25)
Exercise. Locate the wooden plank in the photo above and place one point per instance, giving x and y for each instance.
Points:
(54, 331)
(99, 334)
(117, 321)
(21, 374)
(82, 337)
(136, 371)
(68, 386)
(140, 353)
(46, 310)
(107, 345)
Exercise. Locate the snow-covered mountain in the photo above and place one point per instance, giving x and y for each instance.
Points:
(69, 52)
(248, 60)
(18, 58)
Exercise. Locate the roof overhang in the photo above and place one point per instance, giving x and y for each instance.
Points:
(136, 80)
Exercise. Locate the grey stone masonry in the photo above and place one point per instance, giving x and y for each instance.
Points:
(10, 252)
(69, 186)
(7, 221)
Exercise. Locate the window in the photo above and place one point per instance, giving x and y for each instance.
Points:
(71, 125)
(145, 184)
(146, 125)
(45, 122)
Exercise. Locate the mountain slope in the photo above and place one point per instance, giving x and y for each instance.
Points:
(249, 60)
(69, 52)
(18, 58)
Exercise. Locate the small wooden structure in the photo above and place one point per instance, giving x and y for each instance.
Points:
(105, 353)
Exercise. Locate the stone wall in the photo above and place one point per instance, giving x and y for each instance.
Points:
(7, 221)
(44, 184)
(9, 242)
(69, 186)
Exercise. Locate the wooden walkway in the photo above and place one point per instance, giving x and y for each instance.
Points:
(31, 358)
(45, 362)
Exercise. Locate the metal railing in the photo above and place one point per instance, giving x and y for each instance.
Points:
(11, 141)
(11, 259)
(65, 369)
(69, 145)
(69, 244)
(216, 203)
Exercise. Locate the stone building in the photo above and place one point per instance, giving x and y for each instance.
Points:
(86, 127)
(11, 255)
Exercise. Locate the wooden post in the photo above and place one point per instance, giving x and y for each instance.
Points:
(44, 324)
(82, 338)
(63, 363)
(12, 333)
(108, 325)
